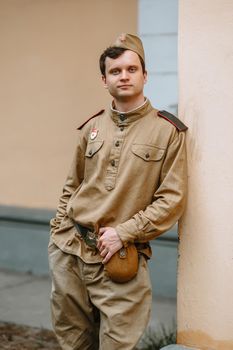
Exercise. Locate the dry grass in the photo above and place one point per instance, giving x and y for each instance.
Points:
(18, 337)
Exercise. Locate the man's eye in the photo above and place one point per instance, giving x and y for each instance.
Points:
(132, 69)
(115, 71)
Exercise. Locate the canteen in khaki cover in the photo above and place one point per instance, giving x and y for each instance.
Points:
(123, 265)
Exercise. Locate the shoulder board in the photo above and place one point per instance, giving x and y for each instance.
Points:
(173, 120)
(95, 115)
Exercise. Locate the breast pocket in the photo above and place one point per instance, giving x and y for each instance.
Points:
(93, 158)
(149, 153)
(92, 148)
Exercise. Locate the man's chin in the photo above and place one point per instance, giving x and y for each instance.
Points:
(124, 98)
(124, 95)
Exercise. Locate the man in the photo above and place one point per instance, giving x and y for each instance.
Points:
(126, 185)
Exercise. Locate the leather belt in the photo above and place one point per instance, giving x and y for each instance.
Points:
(89, 237)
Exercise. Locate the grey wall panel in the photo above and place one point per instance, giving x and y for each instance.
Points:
(158, 25)
(160, 16)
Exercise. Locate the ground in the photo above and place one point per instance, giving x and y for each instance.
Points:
(18, 337)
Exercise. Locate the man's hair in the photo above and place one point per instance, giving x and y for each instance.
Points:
(115, 52)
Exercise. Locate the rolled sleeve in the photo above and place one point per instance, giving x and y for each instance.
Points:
(168, 200)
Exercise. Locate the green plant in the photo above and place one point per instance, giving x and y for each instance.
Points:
(156, 339)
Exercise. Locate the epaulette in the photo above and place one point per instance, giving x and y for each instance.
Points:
(95, 115)
(173, 120)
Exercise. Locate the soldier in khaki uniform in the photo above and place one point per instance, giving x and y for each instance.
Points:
(127, 184)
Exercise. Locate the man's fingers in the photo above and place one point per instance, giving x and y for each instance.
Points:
(101, 244)
(102, 230)
(104, 252)
(107, 258)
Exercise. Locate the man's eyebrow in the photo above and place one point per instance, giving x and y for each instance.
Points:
(114, 68)
(127, 66)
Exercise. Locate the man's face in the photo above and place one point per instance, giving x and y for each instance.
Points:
(124, 77)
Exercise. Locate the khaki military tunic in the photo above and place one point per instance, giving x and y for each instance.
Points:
(128, 172)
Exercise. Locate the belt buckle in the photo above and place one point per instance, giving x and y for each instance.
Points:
(90, 239)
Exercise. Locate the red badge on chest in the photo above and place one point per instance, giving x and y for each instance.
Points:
(94, 133)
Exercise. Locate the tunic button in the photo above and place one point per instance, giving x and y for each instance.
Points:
(113, 162)
(122, 117)
(69, 242)
(147, 155)
(122, 128)
(90, 152)
(117, 143)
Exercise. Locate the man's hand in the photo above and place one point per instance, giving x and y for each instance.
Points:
(108, 243)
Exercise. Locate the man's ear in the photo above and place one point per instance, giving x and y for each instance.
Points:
(145, 77)
(104, 81)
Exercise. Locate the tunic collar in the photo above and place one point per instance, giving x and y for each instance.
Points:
(125, 118)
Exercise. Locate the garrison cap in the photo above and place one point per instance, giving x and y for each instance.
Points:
(130, 42)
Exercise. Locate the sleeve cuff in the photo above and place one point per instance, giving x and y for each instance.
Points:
(128, 231)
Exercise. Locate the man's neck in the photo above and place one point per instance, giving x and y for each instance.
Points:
(127, 106)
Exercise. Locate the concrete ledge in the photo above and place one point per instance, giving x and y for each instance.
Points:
(24, 235)
(19, 215)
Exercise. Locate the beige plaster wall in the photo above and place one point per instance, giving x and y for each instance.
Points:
(205, 278)
(50, 83)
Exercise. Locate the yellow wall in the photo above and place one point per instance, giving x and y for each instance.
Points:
(50, 83)
(205, 275)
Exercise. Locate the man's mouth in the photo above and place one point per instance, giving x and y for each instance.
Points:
(124, 86)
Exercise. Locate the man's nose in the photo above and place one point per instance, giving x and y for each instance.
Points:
(124, 75)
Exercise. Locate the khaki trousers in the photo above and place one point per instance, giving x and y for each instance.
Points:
(91, 312)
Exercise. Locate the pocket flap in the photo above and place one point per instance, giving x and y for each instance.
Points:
(93, 147)
(148, 152)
